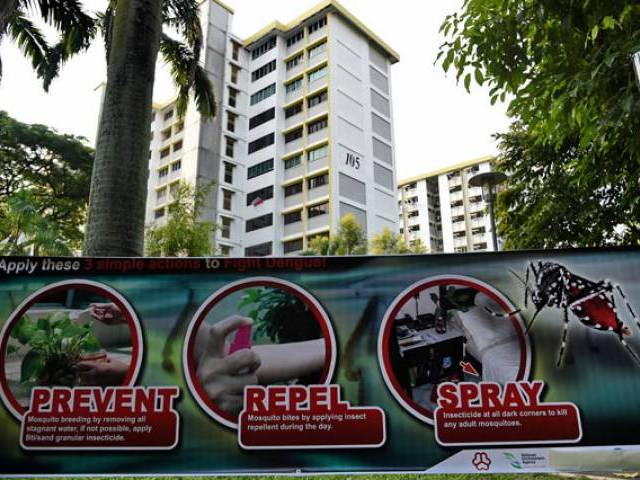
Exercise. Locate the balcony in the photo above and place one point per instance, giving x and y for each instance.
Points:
(477, 223)
(294, 172)
(318, 136)
(293, 96)
(480, 238)
(295, 71)
(476, 207)
(293, 200)
(317, 59)
(318, 192)
(293, 229)
(317, 34)
(293, 146)
(318, 109)
(460, 242)
(459, 227)
(457, 211)
(456, 197)
(318, 222)
(295, 120)
(318, 164)
(317, 85)
(455, 181)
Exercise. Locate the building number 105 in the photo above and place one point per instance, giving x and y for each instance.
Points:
(353, 161)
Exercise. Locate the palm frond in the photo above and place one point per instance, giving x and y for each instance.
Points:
(105, 24)
(63, 14)
(188, 74)
(32, 43)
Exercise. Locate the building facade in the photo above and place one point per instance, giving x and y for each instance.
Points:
(446, 214)
(303, 134)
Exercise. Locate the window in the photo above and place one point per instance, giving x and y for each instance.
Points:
(262, 142)
(178, 127)
(161, 195)
(236, 51)
(225, 250)
(264, 70)
(165, 153)
(317, 74)
(292, 162)
(159, 213)
(259, 196)
(257, 223)
(294, 62)
(479, 246)
(262, 118)
(317, 210)
(294, 189)
(165, 134)
(414, 228)
(317, 25)
(293, 110)
(231, 121)
(227, 198)
(168, 115)
(263, 94)
(293, 135)
(260, 169)
(318, 49)
(295, 38)
(229, 146)
(225, 227)
(318, 154)
(235, 71)
(176, 166)
(461, 250)
(177, 146)
(318, 99)
(163, 172)
(293, 246)
(318, 181)
(317, 126)
(233, 97)
(261, 250)
(264, 48)
(415, 213)
(294, 86)
(228, 172)
(292, 217)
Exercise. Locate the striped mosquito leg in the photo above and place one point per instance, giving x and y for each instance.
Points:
(633, 354)
(626, 302)
(565, 331)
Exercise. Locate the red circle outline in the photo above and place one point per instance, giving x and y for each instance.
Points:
(390, 319)
(317, 313)
(134, 329)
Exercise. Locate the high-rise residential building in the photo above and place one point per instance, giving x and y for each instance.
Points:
(444, 212)
(303, 134)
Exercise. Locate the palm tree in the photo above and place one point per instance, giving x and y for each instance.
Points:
(77, 29)
(133, 35)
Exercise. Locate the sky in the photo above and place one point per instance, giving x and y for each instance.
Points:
(437, 123)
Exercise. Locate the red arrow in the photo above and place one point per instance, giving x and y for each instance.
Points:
(468, 368)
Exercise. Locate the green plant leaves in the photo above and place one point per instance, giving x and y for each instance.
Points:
(24, 330)
(32, 366)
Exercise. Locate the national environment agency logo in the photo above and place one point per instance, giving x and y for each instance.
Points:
(513, 461)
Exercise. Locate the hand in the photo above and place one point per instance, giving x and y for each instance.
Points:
(107, 313)
(224, 377)
(101, 373)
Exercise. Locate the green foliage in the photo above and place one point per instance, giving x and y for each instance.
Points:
(350, 240)
(564, 69)
(183, 234)
(56, 345)
(388, 242)
(280, 316)
(44, 180)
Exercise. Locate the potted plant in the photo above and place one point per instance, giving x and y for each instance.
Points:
(56, 344)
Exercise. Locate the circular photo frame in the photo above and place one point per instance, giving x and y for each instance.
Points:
(449, 328)
(291, 330)
(70, 333)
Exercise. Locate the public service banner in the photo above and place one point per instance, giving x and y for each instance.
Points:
(509, 362)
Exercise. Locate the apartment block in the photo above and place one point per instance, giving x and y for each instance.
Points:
(444, 212)
(303, 135)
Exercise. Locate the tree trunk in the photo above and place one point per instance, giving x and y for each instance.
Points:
(119, 182)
